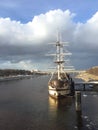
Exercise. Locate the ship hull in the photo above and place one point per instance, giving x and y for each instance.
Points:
(58, 88)
(59, 93)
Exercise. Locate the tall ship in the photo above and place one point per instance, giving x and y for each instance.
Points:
(60, 83)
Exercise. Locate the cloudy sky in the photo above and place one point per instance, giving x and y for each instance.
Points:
(27, 26)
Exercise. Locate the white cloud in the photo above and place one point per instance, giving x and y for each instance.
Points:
(87, 33)
(27, 65)
(31, 38)
(36, 31)
(94, 19)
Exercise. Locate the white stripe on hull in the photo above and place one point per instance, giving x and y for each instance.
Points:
(59, 93)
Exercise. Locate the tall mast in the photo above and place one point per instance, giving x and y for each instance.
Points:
(60, 56)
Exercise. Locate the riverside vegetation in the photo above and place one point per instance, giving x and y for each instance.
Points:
(12, 72)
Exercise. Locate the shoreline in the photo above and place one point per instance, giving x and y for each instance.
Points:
(17, 77)
(87, 77)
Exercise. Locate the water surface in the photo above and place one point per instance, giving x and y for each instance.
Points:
(26, 105)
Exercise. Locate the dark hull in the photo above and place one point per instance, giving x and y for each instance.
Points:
(60, 88)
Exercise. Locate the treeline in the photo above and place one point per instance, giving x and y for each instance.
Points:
(12, 72)
(93, 70)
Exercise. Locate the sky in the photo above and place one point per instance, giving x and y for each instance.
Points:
(27, 26)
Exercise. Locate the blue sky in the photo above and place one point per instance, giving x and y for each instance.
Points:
(25, 10)
(26, 26)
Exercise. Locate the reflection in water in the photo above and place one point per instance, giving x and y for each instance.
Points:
(55, 104)
(64, 110)
(79, 120)
(61, 112)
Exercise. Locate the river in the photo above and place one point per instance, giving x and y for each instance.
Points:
(26, 105)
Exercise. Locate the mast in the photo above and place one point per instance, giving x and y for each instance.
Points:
(60, 56)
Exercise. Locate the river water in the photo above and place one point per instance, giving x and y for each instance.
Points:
(26, 105)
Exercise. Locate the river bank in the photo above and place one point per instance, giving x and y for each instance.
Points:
(87, 77)
(17, 77)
